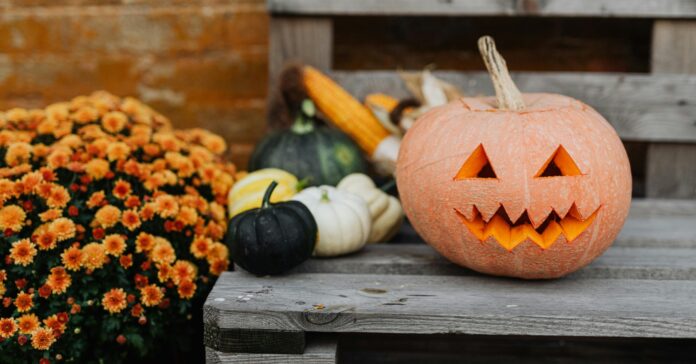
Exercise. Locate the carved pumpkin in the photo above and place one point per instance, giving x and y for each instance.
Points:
(522, 185)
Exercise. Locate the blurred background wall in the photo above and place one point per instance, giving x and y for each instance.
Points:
(203, 63)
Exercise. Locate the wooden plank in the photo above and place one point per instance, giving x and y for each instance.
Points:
(640, 107)
(557, 8)
(670, 170)
(318, 351)
(230, 339)
(654, 207)
(474, 305)
(421, 259)
(309, 40)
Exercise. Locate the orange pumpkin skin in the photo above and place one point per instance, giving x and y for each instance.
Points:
(518, 144)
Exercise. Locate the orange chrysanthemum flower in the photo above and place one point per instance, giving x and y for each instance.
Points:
(46, 240)
(97, 168)
(18, 153)
(187, 215)
(108, 216)
(114, 301)
(59, 197)
(183, 271)
(121, 189)
(24, 301)
(117, 151)
(218, 266)
(72, 258)
(93, 256)
(42, 339)
(164, 272)
(162, 252)
(63, 228)
(12, 217)
(114, 244)
(114, 121)
(130, 219)
(96, 199)
(8, 327)
(186, 289)
(23, 252)
(54, 323)
(147, 212)
(50, 214)
(151, 295)
(218, 251)
(59, 280)
(126, 261)
(144, 242)
(27, 323)
(200, 246)
(166, 206)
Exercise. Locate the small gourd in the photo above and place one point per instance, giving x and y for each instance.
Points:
(273, 238)
(248, 192)
(343, 219)
(385, 210)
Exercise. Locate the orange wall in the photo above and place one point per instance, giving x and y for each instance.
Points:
(200, 62)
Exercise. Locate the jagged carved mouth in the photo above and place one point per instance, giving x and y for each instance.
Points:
(509, 234)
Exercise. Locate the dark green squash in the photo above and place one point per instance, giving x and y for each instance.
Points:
(273, 238)
(318, 154)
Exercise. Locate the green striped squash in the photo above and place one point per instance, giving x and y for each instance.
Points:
(318, 154)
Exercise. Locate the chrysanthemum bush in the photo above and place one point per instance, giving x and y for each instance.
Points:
(111, 226)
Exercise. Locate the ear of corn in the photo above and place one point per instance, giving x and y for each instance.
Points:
(384, 101)
(344, 111)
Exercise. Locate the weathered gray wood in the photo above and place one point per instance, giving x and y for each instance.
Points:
(673, 46)
(421, 259)
(476, 305)
(318, 351)
(645, 207)
(231, 339)
(671, 169)
(309, 40)
(640, 107)
(593, 8)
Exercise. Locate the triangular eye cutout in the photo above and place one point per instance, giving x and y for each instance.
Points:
(560, 164)
(476, 166)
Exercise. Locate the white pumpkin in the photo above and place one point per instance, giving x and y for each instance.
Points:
(342, 217)
(385, 210)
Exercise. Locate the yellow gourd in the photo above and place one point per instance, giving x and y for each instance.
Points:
(247, 193)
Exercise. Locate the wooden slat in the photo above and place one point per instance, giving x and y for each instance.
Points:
(558, 8)
(421, 259)
(476, 305)
(309, 40)
(318, 351)
(640, 107)
(671, 171)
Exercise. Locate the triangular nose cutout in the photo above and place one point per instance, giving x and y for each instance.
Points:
(476, 166)
(560, 164)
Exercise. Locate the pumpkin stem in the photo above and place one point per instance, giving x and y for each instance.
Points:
(509, 97)
(266, 202)
(325, 195)
(304, 122)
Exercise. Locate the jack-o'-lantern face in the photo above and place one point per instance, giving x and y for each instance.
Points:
(509, 231)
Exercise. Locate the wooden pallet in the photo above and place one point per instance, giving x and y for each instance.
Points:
(642, 287)
(656, 108)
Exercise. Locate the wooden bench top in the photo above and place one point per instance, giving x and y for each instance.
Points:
(555, 8)
(643, 286)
